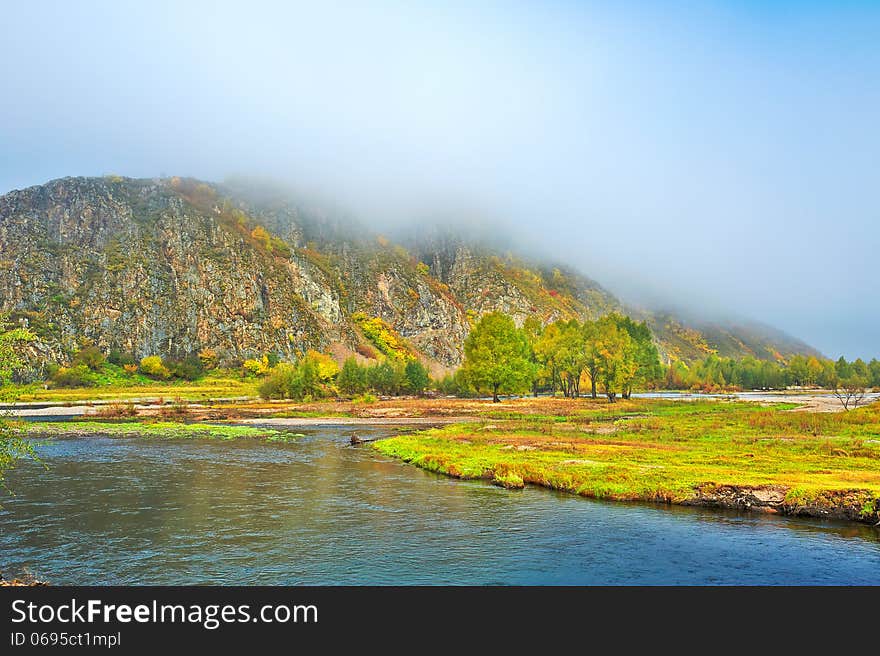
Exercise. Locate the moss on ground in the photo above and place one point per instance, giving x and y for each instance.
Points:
(662, 450)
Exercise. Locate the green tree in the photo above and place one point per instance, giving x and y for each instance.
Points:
(592, 331)
(417, 378)
(616, 354)
(544, 352)
(533, 328)
(648, 369)
(571, 357)
(874, 370)
(496, 356)
(386, 378)
(352, 378)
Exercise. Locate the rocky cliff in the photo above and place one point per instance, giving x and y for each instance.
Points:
(172, 266)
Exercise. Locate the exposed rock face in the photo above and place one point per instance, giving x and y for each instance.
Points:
(852, 505)
(170, 267)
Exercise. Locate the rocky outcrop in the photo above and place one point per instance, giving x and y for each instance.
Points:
(173, 266)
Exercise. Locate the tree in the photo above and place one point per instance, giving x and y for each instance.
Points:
(571, 357)
(592, 359)
(417, 378)
(851, 392)
(545, 351)
(874, 369)
(496, 356)
(386, 377)
(647, 358)
(352, 378)
(616, 355)
(13, 446)
(533, 328)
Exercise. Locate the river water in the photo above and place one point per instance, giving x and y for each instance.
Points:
(318, 511)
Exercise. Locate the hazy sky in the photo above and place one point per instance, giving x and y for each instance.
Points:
(719, 155)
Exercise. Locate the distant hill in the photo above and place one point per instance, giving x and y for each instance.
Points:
(171, 266)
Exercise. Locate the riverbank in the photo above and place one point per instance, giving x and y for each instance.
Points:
(168, 430)
(764, 455)
(714, 454)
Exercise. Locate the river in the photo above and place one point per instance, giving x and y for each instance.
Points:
(318, 511)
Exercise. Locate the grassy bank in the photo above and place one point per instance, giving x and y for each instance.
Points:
(156, 429)
(707, 453)
(214, 386)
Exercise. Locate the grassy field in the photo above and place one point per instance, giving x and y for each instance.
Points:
(206, 388)
(707, 452)
(157, 429)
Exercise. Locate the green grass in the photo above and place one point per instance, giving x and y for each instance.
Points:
(214, 385)
(661, 450)
(157, 429)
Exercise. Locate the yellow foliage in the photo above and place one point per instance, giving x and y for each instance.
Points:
(327, 367)
(256, 367)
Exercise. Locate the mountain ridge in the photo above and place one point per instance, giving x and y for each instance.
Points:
(173, 265)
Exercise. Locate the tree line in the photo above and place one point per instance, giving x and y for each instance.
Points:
(613, 354)
(715, 373)
(616, 355)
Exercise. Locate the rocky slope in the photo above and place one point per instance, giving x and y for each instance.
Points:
(172, 266)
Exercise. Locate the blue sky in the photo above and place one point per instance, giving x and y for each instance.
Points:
(724, 156)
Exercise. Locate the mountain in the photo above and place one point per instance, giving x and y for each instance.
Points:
(171, 266)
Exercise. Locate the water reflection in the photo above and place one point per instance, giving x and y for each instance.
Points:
(320, 511)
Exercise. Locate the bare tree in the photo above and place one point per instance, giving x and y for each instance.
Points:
(851, 392)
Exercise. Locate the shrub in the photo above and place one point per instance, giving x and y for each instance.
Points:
(89, 356)
(78, 376)
(382, 336)
(283, 382)
(208, 358)
(256, 367)
(153, 367)
(324, 364)
(121, 358)
(190, 368)
(130, 369)
(287, 381)
(116, 411)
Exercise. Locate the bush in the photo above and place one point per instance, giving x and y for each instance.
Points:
(78, 376)
(89, 356)
(130, 369)
(121, 359)
(279, 383)
(256, 367)
(208, 358)
(190, 368)
(116, 411)
(153, 367)
(287, 381)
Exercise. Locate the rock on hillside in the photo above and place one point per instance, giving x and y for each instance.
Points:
(172, 266)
